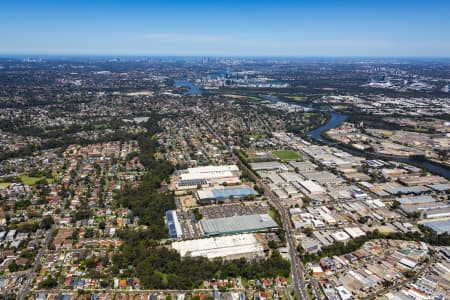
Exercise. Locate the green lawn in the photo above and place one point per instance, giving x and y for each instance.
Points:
(257, 136)
(4, 184)
(27, 180)
(100, 126)
(285, 155)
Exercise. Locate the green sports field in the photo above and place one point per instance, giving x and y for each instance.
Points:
(285, 155)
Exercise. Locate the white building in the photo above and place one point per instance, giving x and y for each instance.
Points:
(229, 247)
(311, 187)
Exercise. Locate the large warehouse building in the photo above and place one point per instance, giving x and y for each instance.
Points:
(211, 195)
(311, 187)
(269, 166)
(210, 172)
(209, 169)
(238, 224)
(228, 247)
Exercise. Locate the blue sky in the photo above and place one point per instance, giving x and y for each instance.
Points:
(228, 27)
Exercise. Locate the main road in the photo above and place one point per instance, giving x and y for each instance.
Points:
(37, 262)
(297, 268)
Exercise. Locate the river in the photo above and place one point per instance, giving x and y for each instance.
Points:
(337, 119)
(193, 88)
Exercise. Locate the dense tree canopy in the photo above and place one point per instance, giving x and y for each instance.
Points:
(158, 267)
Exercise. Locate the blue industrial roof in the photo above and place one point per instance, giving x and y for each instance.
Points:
(406, 190)
(171, 224)
(227, 193)
(439, 226)
(440, 187)
(222, 194)
(416, 199)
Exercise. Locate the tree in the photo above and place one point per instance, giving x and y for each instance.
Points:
(102, 225)
(272, 244)
(395, 204)
(91, 263)
(13, 267)
(410, 274)
(387, 284)
(308, 231)
(363, 220)
(49, 283)
(197, 214)
(47, 222)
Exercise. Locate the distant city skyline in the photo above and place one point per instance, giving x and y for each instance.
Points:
(228, 28)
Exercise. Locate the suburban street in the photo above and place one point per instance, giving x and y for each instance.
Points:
(37, 262)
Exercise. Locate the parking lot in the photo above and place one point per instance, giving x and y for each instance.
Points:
(191, 227)
(234, 209)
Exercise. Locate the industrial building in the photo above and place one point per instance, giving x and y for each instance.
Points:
(425, 204)
(354, 232)
(173, 224)
(440, 226)
(228, 247)
(268, 166)
(209, 169)
(210, 172)
(404, 190)
(437, 213)
(238, 224)
(416, 200)
(189, 184)
(311, 188)
(212, 195)
(440, 187)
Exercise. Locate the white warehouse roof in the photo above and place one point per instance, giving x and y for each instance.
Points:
(206, 175)
(212, 169)
(232, 245)
(312, 187)
(354, 232)
(340, 236)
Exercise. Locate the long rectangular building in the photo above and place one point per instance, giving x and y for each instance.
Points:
(205, 196)
(173, 224)
(209, 169)
(311, 187)
(238, 224)
(228, 247)
(268, 166)
(210, 172)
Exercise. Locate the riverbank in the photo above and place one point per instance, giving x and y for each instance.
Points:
(337, 119)
(320, 136)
